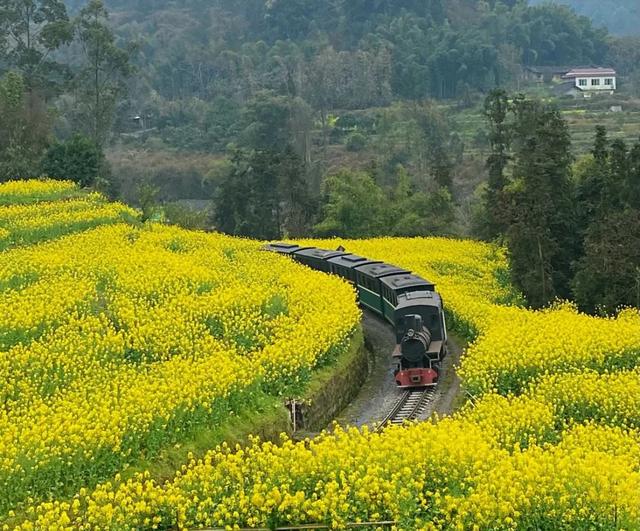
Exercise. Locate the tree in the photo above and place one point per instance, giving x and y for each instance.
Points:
(355, 207)
(632, 185)
(234, 214)
(608, 276)
(618, 175)
(264, 195)
(78, 159)
(541, 234)
(273, 122)
(592, 183)
(25, 131)
(496, 109)
(100, 83)
(418, 212)
(297, 207)
(603, 184)
(30, 32)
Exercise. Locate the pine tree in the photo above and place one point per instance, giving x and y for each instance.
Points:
(617, 176)
(541, 233)
(496, 109)
(590, 189)
(608, 276)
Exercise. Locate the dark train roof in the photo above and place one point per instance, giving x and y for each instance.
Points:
(381, 270)
(398, 282)
(320, 254)
(418, 298)
(351, 261)
(284, 248)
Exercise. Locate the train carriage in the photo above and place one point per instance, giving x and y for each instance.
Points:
(286, 249)
(408, 302)
(397, 285)
(317, 258)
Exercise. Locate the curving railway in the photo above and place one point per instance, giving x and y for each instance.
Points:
(408, 302)
(410, 406)
(415, 360)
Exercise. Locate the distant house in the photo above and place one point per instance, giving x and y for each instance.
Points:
(574, 81)
(593, 80)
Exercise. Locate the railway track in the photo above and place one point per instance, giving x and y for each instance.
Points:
(409, 406)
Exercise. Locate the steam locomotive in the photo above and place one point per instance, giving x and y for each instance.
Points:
(408, 302)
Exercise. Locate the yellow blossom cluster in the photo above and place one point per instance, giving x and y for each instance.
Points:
(32, 211)
(551, 440)
(117, 340)
(445, 475)
(23, 192)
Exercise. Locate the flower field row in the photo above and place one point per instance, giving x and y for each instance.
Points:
(551, 440)
(28, 223)
(447, 475)
(121, 339)
(562, 455)
(25, 192)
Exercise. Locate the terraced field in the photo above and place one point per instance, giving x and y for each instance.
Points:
(581, 119)
(550, 440)
(119, 339)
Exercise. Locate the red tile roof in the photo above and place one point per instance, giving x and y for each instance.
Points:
(590, 72)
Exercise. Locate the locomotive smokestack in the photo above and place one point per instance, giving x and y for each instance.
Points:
(416, 341)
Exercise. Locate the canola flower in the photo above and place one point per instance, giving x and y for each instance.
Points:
(32, 191)
(551, 441)
(120, 339)
(448, 475)
(29, 223)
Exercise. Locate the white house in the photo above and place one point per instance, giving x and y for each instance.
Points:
(593, 80)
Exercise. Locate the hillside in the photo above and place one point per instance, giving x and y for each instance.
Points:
(621, 17)
(192, 94)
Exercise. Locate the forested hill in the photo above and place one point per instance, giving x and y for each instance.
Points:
(621, 17)
(348, 53)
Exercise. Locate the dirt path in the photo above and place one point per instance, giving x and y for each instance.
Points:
(379, 393)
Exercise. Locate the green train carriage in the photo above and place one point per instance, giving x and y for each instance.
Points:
(408, 302)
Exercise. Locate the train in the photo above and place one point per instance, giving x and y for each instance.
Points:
(410, 304)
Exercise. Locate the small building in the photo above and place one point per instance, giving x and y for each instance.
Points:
(544, 74)
(593, 80)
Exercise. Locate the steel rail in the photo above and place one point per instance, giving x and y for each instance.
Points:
(399, 413)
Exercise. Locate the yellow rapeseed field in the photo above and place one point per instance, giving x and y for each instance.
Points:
(551, 439)
(119, 339)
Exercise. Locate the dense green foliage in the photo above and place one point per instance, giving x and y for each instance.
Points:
(568, 235)
(608, 196)
(77, 158)
(24, 129)
(533, 208)
(343, 54)
(55, 66)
